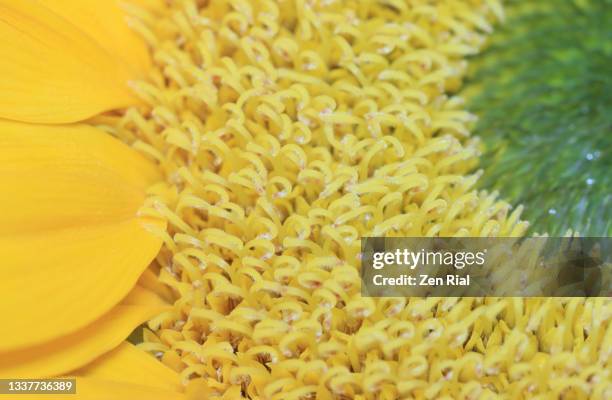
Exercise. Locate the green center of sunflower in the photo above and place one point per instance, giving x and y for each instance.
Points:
(543, 93)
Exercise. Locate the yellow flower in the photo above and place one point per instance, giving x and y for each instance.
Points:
(286, 131)
(73, 241)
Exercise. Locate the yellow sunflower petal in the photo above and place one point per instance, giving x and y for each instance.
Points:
(67, 176)
(142, 295)
(79, 348)
(152, 5)
(53, 71)
(71, 242)
(97, 389)
(128, 364)
(150, 281)
(105, 23)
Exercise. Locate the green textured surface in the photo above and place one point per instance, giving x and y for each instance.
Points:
(543, 94)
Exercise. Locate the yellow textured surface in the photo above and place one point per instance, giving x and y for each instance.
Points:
(287, 130)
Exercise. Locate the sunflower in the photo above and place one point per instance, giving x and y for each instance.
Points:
(73, 238)
(216, 181)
